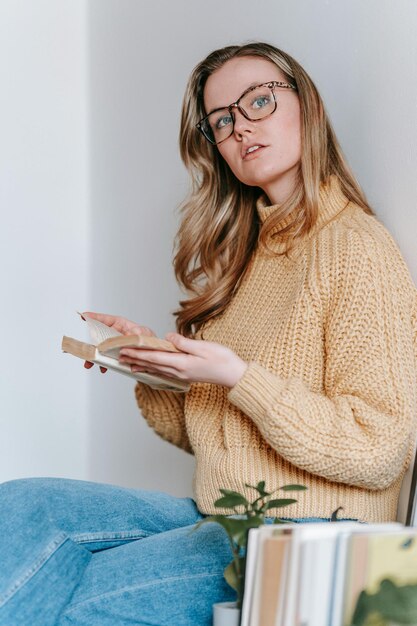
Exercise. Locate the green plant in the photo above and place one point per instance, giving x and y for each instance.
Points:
(238, 524)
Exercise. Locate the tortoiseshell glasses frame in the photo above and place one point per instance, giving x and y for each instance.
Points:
(205, 127)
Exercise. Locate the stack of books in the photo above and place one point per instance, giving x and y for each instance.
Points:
(330, 574)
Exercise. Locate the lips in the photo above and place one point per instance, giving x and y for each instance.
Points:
(245, 149)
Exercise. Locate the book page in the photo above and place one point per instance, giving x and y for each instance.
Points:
(272, 578)
(393, 557)
(154, 381)
(99, 331)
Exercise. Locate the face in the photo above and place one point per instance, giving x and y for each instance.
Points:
(273, 166)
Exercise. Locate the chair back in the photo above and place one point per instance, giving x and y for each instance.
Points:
(406, 511)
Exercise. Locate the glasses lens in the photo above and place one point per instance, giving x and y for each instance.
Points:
(258, 103)
(218, 125)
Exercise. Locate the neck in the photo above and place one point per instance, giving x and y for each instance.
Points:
(280, 189)
(331, 202)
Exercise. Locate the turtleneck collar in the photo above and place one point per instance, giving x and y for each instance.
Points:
(331, 202)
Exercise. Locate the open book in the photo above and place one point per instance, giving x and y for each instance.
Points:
(106, 345)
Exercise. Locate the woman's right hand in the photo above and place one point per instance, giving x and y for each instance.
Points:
(121, 324)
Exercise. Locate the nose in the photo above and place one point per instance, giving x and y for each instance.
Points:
(241, 125)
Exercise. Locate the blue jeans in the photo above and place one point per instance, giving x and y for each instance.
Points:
(85, 554)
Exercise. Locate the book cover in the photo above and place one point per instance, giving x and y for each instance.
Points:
(376, 562)
(105, 348)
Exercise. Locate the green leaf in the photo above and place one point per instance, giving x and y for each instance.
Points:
(293, 488)
(334, 517)
(241, 528)
(260, 488)
(236, 529)
(238, 496)
(230, 501)
(235, 575)
(224, 521)
(278, 504)
(231, 576)
(230, 492)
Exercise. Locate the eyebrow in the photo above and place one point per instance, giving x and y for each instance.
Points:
(224, 106)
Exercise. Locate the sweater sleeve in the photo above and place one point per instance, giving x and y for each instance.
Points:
(359, 430)
(164, 412)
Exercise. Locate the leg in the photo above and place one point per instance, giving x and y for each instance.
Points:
(169, 579)
(49, 529)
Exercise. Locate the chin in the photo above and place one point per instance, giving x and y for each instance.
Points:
(260, 176)
(258, 181)
(266, 180)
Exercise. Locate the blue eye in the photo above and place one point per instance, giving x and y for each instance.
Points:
(260, 102)
(223, 121)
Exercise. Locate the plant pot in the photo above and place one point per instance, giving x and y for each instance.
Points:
(226, 614)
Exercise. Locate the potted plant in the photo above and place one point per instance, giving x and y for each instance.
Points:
(244, 515)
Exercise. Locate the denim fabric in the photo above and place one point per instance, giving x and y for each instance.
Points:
(75, 553)
(309, 520)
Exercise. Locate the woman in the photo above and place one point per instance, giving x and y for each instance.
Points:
(298, 336)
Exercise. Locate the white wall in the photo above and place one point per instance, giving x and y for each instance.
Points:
(361, 55)
(136, 182)
(43, 236)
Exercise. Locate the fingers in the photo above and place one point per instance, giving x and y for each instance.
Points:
(109, 320)
(139, 366)
(88, 365)
(191, 346)
(121, 324)
(135, 329)
(164, 371)
(128, 360)
(151, 357)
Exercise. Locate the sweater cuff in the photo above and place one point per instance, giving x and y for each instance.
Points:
(252, 393)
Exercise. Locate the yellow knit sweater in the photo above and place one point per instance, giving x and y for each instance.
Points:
(329, 398)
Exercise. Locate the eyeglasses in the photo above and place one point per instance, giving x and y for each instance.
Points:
(255, 103)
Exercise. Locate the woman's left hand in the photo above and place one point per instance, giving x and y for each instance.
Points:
(198, 361)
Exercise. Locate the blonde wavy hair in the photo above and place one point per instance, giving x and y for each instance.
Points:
(219, 227)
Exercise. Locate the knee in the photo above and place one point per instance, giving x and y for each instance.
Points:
(29, 506)
(22, 486)
(23, 493)
(210, 542)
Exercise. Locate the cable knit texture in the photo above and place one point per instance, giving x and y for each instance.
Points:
(329, 398)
